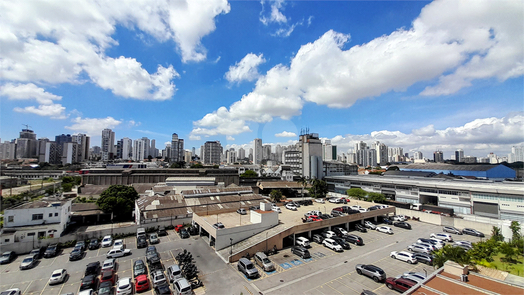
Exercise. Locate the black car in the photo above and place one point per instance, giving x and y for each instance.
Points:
(402, 224)
(162, 290)
(139, 268)
(351, 211)
(254, 208)
(424, 258)
(472, 232)
(141, 242)
(92, 268)
(325, 216)
(76, 254)
(373, 208)
(51, 251)
(337, 231)
(89, 282)
(354, 239)
(93, 244)
(318, 238)
(81, 244)
(106, 288)
(183, 233)
(336, 213)
(387, 221)
(193, 230)
(7, 257)
(152, 255)
(300, 252)
(345, 245)
(38, 253)
(162, 232)
(360, 228)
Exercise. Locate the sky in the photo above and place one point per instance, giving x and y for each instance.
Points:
(420, 75)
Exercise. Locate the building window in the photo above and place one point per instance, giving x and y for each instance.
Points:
(56, 214)
(6, 240)
(10, 218)
(50, 214)
(38, 216)
(30, 234)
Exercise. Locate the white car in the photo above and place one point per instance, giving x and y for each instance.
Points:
(404, 256)
(332, 200)
(87, 292)
(342, 231)
(355, 207)
(399, 218)
(427, 245)
(321, 201)
(331, 244)
(14, 291)
(385, 229)
(276, 209)
(442, 236)
(419, 249)
(414, 276)
(107, 241)
(329, 234)
(291, 207)
(115, 253)
(370, 224)
(124, 286)
(314, 212)
(159, 278)
(302, 242)
(119, 244)
(108, 264)
(362, 210)
(58, 276)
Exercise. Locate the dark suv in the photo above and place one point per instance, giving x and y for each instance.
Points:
(472, 232)
(354, 239)
(374, 272)
(51, 251)
(345, 245)
(399, 284)
(93, 268)
(301, 252)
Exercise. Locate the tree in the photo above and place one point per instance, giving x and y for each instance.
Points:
(508, 251)
(376, 197)
(318, 188)
(118, 199)
(74, 180)
(249, 174)
(357, 193)
(303, 182)
(67, 187)
(484, 250)
(179, 164)
(275, 196)
(515, 230)
(448, 252)
(496, 234)
(149, 158)
(197, 165)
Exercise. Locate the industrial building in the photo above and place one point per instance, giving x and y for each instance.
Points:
(494, 172)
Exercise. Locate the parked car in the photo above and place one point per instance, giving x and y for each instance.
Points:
(58, 276)
(81, 244)
(174, 273)
(355, 207)
(369, 270)
(399, 284)
(162, 231)
(414, 276)
(321, 201)
(427, 245)
(325, 216)
(89, 282)
(472, 232)
(183, 233)
(38, 252)
(109, 264)
(119, 244)
(182, 287)
(291, 207)
(247, 268)
(93, 244)
(263, 261)
(153, 239)
(217, 225)
(124, 286)
(354, 239)
(337, 213)
(403, 256)
(159, 278)
(331, 244)
(435, 242)
(141, 283)
(300, 252)
(276, 209)
(399, 218)
(370, 225)
(313, 212)
(92, 268)
(359, 227)
(424, 258)
(178, 227)
(139, 268)
(51, 251)
(385, 229)
(464, 246)
(419, 249)
(442, 236)
(387, 221)
(301, 241)
(318, 238)
(141, 242)
(7, 257)
(402, 224)
(106, 288)
(108, 276)
(76, 254)
(345, 245)
(340, 231)
(328, 234)
(242, 211)
(451, 229)
(115, 253)
(13, 291)
(28, 262)
(107, 241)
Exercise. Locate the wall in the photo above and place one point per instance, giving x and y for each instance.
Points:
(424, 217)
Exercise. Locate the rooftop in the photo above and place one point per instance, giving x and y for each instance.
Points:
(41, 204)
(435, 166)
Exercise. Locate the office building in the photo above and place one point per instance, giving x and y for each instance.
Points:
(26, 145)
(7, 150)
(438, 157)
(83, 142)
(459, 156)
(257, 151)
(177, 149)
(107, 145)
(418, 155)
(241, 154)
(212, 152)
(381, 151)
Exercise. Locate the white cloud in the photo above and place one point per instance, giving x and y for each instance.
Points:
(286, 134)
(55, 111)
(478, 137)
(245, 69)
(454, 41)
(70, 38)
(27, 91)
(229, 137)
(93, 126)
(194, 137)
(275, 15)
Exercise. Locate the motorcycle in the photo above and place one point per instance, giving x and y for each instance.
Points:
(196, 283)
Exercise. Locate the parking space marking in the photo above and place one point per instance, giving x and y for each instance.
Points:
(27, 287)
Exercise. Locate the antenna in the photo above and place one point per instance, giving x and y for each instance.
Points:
(26, 126)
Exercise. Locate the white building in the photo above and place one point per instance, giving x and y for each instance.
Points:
(38, 219)
(108, 144)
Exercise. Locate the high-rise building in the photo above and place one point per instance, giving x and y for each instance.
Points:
(266, 151)
(42, 142)
(231, 156)
(153, 150)
(311, 148)
(418, 155)
(438, 157)
(381, 151)
(212, 152)
(516, 155)
(360, 146)
(250, 156)
(8, 150)
(257, 151)
(395, 154)
(26, 145)
(459, 156)
(188, 155)
(241, 154)
(327, 150)
(177, 149)
(366, 157)
(140, 149)
(84, 143)
(107, 144)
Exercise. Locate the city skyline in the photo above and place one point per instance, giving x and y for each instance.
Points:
(349, 71)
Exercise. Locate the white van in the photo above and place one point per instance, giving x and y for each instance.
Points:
(174, 273)
(141, 232)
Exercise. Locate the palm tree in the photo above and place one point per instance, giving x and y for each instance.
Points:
(302, 181)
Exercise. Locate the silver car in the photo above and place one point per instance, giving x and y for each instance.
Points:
(374, 272)
(419, 249)
(28, 262)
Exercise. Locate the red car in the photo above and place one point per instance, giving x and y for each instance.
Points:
(141, 283)
(399, 284)
(314, 218)
(178, 227)
(108, 276)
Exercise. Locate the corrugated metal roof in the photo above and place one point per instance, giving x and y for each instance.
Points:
(479, 167)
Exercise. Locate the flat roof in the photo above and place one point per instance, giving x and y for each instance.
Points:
(280, 184)
(39, 204)
(175, 178)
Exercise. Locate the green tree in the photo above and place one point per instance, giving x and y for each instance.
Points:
(303, 181)
(515, 230)
(67, 187)
(275, 196)
(74, 180)
(249, 174)
(456, 254)
(119, 200)
(496, 234)
(508, 251)
(197, 165)
(484, 250)
(179, 164)
(376, 197)
(357, 193)
(318, 188)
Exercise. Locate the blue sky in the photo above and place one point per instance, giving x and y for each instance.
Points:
(421, 75)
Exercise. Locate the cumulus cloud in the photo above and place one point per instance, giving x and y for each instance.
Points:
(229, 137)
(275, 14)
(286, 134)
(453, 42)
(55, 111)
(245, 69)
(93, 126)
(30, 91)
(71, 38)
(478, 137)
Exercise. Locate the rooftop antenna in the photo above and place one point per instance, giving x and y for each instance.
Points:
(26, 126)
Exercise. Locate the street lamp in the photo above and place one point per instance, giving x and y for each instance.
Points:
(231, 244)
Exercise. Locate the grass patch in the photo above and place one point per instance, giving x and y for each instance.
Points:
(513, 268)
